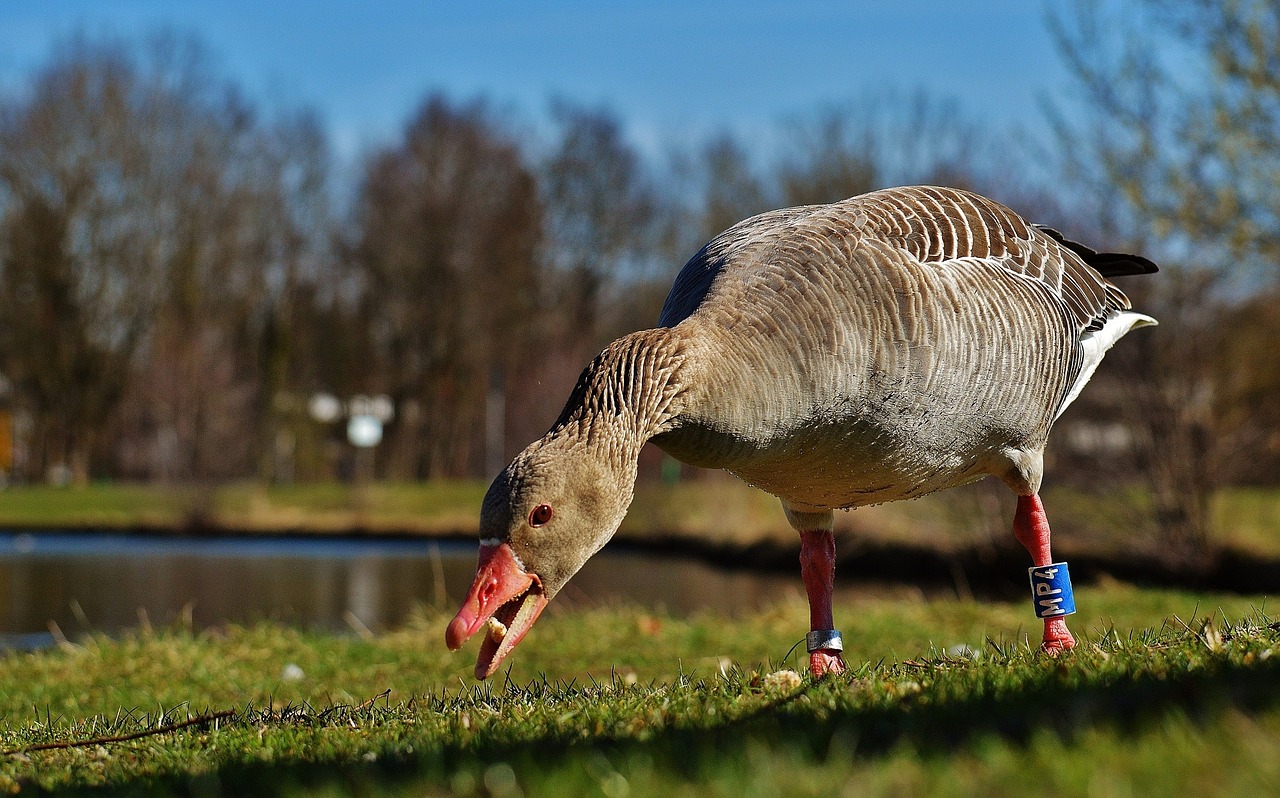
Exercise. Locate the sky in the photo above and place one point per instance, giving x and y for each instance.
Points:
(672, 70)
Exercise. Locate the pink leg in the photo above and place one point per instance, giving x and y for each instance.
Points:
(818, 569)
(1031, 526)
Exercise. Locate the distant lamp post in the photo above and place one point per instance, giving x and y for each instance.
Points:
(364, 431)
(366, 417)
(325, 408)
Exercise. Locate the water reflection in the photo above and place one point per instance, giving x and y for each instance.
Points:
(78, 583)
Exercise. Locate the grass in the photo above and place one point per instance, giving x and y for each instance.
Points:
(946, 698)
(1250, 519)
(718, 509)
(97, 505)
(440, 507)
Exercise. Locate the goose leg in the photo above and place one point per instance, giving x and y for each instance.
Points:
(1031, 526)
(818, 569)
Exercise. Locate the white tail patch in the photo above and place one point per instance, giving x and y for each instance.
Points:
(1095, 344)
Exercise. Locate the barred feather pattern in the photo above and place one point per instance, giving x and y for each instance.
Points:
(936, 225)
(931, 224)
(630, 386)
(879, 348)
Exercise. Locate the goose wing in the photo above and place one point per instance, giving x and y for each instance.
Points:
(932, 225)
(941, 225)
(732, 247)
(937, 225)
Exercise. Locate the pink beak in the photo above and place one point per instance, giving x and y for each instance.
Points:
(502, 590)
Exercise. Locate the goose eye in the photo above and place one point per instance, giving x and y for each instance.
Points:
(540, 515)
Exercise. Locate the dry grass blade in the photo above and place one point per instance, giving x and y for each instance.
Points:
(120, 738)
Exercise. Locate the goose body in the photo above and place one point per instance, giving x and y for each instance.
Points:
(875, 349)
(884, 347)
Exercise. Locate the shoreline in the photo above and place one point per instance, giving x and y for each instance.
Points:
(984, 571)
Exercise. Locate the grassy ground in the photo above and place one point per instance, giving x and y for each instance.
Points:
(428, 508)
(720, 509)
(946, 698)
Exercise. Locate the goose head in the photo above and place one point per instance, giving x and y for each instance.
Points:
(543, 517)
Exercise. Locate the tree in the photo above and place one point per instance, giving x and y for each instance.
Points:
(603, 216)
(89, 166)
(151, 231)
(220, 380)
(731, 189)
(446, 248)
(1175, 145)
(833, 157)
(1183, 101)
(885, 139)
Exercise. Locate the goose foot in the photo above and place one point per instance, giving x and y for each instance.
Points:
(824, 661)
(1057, 638)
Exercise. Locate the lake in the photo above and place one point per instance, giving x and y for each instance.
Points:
(72, 584)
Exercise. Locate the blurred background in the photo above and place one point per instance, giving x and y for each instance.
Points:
(320, 243)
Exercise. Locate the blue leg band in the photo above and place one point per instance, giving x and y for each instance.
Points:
(1051, 590)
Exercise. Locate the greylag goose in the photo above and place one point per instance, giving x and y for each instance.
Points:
(880, 348)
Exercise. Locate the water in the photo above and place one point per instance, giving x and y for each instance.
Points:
(72, 584)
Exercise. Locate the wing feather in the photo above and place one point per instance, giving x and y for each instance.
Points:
(931, 224)
(935, 225)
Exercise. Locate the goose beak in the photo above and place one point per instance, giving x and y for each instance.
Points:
(502, 591)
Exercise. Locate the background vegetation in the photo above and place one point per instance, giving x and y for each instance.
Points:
(181, 270)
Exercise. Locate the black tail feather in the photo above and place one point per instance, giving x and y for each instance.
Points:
(1108, 264)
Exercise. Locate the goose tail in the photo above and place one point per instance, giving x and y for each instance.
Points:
(1095, 344)
(1108, 264)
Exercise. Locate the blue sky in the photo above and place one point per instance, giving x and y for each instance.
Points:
(672, 70)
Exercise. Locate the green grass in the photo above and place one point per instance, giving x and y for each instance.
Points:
(718, 509)
(96, 505)
(440, 507)
(946, 698)
(1249, 518)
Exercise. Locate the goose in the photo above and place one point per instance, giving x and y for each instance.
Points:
(879, 348)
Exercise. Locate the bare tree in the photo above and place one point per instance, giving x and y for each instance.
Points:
(833, 156)
(1174, 142)
(732, 188)
(446, 245)
(603, 218)
(1182, 107)
(219, 385)
(886, 138)
(151, 232)
(89, 167)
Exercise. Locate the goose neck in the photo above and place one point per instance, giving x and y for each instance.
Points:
(630, 391)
